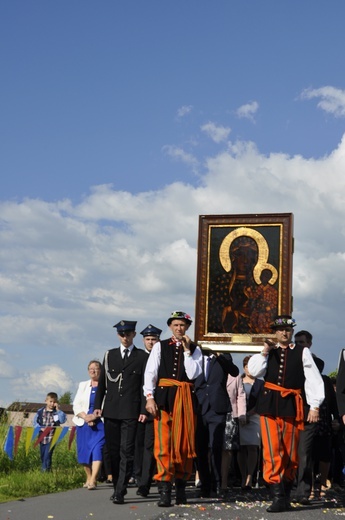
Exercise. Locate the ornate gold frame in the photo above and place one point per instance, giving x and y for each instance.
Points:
(255, 244)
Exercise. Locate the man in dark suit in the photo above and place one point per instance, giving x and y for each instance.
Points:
(144, 458)
(213, 404)
(304, 478)
(340, 386)
(120, 387)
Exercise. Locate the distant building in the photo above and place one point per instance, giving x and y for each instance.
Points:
(22, 414)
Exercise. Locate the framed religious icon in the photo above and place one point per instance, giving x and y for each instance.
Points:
(244, 278)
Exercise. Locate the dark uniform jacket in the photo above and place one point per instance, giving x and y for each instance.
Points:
(284, 368)
(120, 385)
(212, 394)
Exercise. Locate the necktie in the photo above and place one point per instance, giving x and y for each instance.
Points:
(125, 357)
(208, 363)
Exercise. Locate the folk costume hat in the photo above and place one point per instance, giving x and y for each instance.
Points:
(180, 315)
(151, 330)
(283, 321)
(125, 326)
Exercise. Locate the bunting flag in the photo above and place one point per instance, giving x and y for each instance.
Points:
(42, 435)
(9, 443)
(71, 437)
(31, 434)
(28, 438)
(64, 431)
(17, 433)
(55, 438)
(35, 434)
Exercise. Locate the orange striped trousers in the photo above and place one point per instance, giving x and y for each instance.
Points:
(280, 437)
(167, 469)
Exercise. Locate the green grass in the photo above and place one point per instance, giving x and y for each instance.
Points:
(22, 477)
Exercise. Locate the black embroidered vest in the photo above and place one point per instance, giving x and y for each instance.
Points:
(284, 368)
(171, 367)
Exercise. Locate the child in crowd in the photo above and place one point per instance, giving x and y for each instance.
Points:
(48, 415)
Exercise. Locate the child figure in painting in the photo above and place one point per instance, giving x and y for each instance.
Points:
(48, 415)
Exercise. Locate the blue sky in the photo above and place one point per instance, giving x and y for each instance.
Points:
(121, 122)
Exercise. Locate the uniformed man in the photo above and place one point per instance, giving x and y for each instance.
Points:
(120, 386)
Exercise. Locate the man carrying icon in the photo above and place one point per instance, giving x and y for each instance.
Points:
(292, 380)
(171, 368)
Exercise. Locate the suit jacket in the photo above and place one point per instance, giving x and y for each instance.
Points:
(212, 394)
(254, 393)
(340, 388)
(120, 386)
(81, 402)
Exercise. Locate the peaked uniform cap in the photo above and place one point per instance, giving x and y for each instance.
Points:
(125, 325)
(151, 330)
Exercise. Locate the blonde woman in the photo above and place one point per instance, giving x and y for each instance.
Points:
(90, 429)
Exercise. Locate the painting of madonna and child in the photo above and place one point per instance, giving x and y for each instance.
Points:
(244, 275)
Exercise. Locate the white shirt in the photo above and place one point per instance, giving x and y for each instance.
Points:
(129, 349)
(192, 365)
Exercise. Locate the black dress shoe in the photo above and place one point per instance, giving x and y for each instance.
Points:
(204, 493)
(277, 506)
(142, 491)
(220, 493)
(304, 501)
(112, 496)
(118, 499)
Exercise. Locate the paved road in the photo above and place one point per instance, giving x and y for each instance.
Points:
(81, 504)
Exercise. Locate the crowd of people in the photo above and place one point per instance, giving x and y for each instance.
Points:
(161, 413)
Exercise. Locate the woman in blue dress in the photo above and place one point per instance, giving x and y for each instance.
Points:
(90, 429)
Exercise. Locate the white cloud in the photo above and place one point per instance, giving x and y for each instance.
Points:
(40, 381)
(7, 371)
(332, 100)
(69, 272)
(184, 110)
(180, 155)
(248, 110)
(217, 133)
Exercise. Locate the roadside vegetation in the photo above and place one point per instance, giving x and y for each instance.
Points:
(22, 476)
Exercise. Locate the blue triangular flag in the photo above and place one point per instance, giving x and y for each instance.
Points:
(9, 443)
(63, 433)
(36, 432)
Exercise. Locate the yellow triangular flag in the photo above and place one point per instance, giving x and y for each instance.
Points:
(29, 433)
(55, 438)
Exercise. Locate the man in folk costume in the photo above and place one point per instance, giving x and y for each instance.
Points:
(172, 366)
(292, 380)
